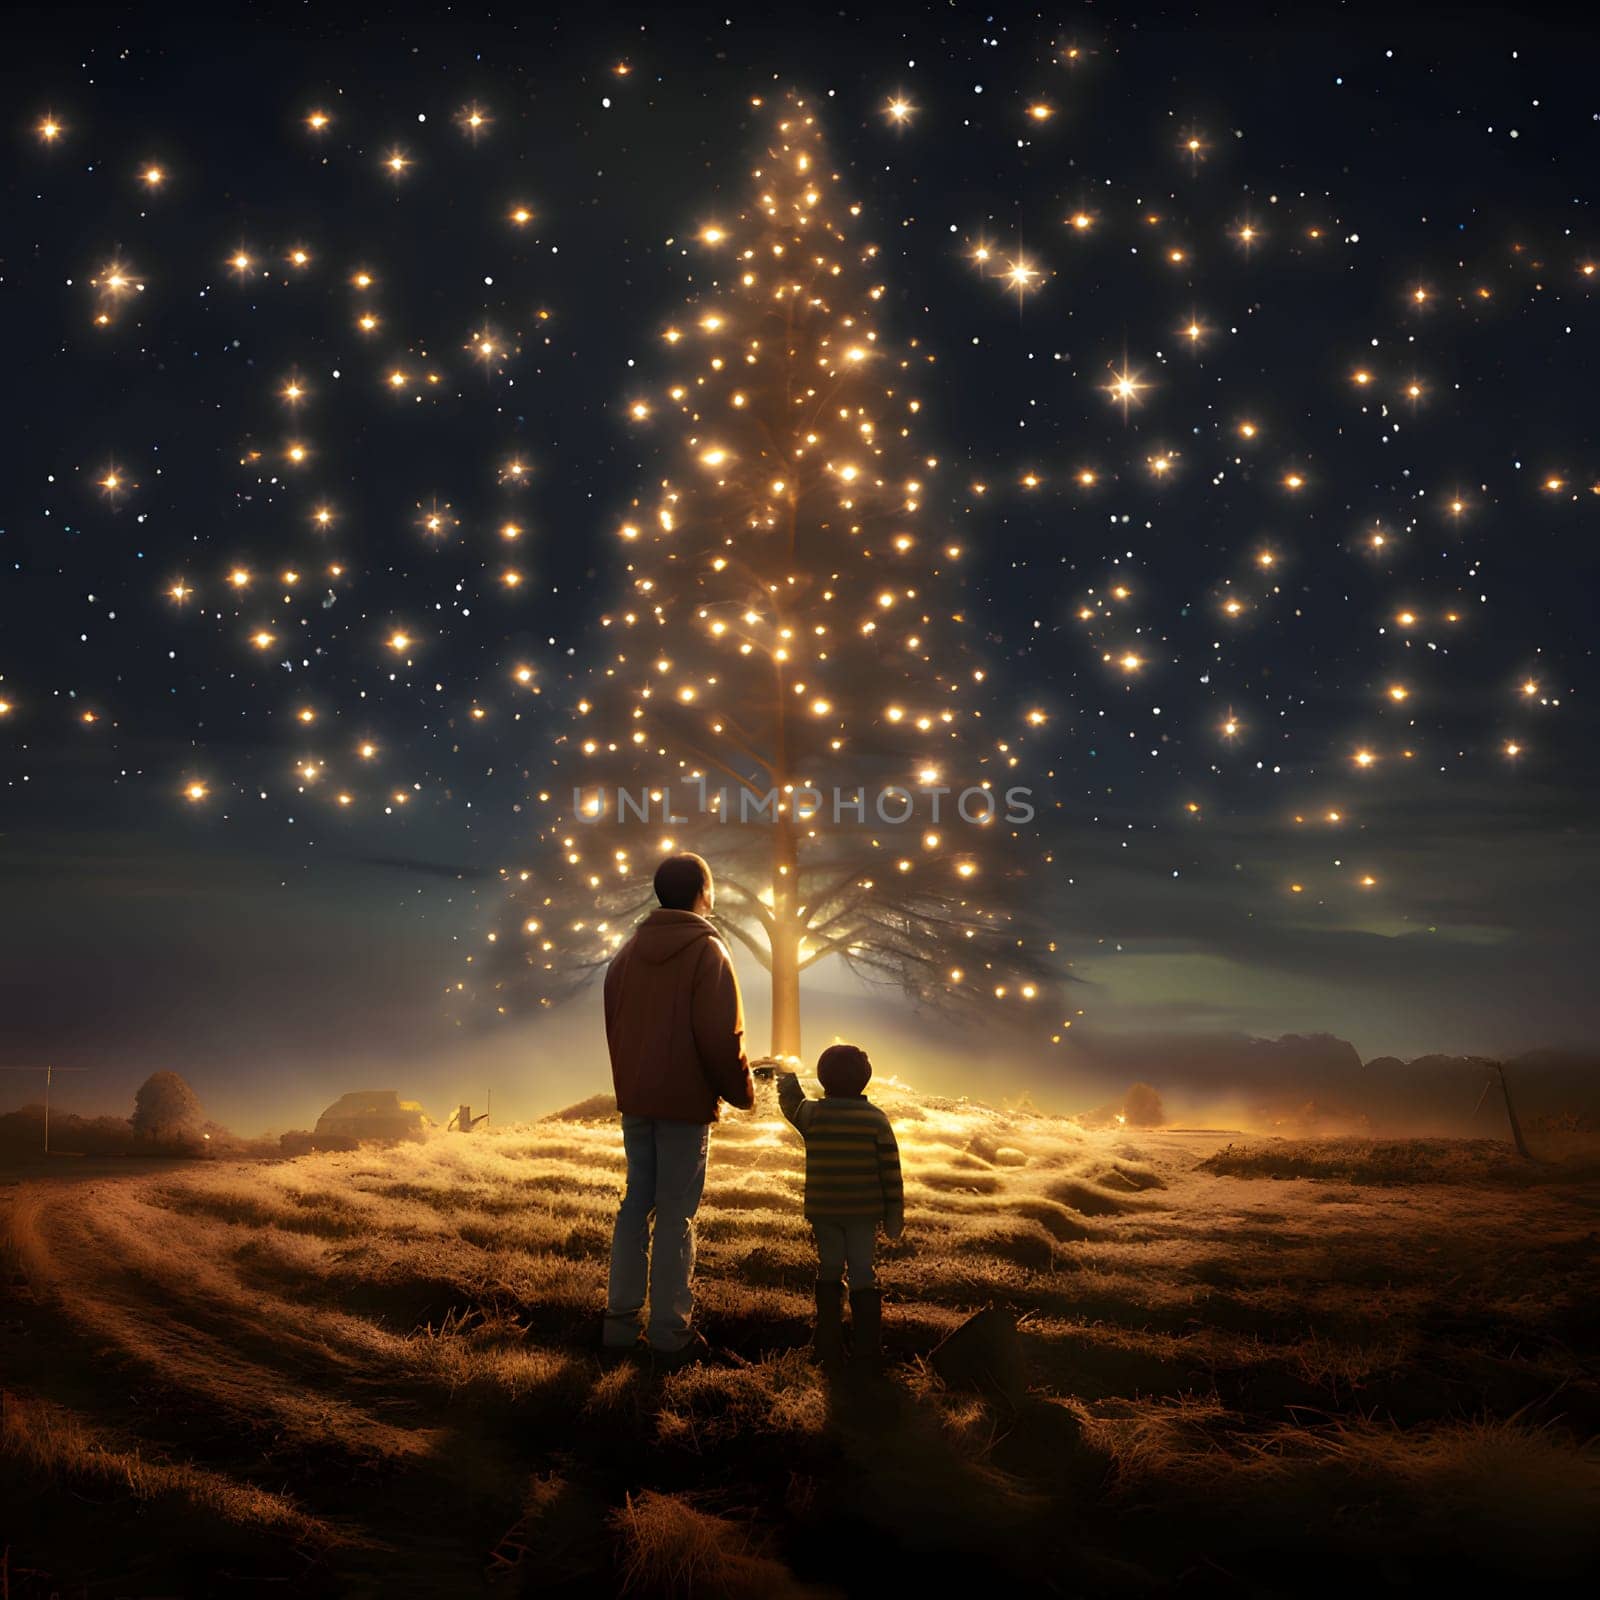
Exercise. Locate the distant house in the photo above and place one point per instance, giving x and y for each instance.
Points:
(372, 1114)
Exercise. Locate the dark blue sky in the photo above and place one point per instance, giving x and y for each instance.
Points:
(267, 945)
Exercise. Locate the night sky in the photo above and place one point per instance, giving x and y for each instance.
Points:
(1417, 197)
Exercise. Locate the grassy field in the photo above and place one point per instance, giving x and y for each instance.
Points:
(1251, 1367)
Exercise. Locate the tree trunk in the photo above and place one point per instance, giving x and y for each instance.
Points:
(785, 940)
(785, 990)
(786, 929)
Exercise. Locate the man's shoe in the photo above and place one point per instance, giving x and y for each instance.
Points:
(697, 1349)
(866, 1330)
(827, 1346)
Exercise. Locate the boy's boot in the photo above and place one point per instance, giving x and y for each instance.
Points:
(866, 1329)
(827, 1348)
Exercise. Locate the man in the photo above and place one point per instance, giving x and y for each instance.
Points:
(675, 1028)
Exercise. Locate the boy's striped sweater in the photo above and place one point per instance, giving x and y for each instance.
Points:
(852, 1159)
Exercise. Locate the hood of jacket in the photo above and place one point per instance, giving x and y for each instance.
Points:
(664, 935)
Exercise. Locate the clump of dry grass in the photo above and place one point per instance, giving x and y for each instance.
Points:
(666, 1546)
(53, 1443)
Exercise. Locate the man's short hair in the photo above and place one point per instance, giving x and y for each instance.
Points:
(681, 880)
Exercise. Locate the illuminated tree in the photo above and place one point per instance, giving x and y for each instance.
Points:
(165, 1107)
(786, 685)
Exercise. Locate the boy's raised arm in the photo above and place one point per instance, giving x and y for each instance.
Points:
(792, 1100)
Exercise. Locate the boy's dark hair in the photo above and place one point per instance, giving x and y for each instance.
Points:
(843, 1069)
(681, 880)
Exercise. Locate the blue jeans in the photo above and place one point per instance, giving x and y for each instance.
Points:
(666, 1177)
(849, 1241)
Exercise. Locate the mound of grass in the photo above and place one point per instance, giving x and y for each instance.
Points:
(667, 1547)
(1391, 1161)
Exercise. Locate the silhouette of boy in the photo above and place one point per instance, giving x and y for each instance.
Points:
(852, 1185)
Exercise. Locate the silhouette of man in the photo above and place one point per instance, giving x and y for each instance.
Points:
(675, 1030)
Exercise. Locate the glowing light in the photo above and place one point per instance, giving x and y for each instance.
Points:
(711, 234)
(899, 110)
(714, 457)
(521, 216)
(316, 121)
(49, 130)
(1398, 692)
(1081, 220)
(195, 793)
(396, 161)
(1021, 275)
(399, 641)
(1125, 388)
(1293, 480)
(153, 177)
(1364, 758)
(263, 640)
(1040, 111)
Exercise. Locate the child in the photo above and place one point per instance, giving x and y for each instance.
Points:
(852, 1184)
